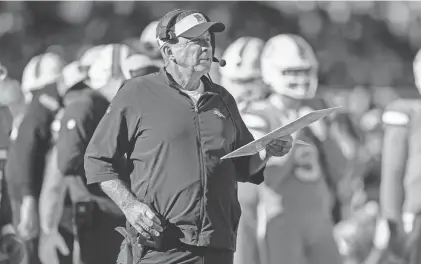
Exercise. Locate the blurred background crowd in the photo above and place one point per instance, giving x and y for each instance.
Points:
(365, 51)
(357, 42)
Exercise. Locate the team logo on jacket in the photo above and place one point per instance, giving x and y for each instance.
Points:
(218, 113)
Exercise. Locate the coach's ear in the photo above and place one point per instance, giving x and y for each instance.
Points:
(168, 52)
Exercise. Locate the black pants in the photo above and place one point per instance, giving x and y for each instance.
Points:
(189, 255)
(100, 243)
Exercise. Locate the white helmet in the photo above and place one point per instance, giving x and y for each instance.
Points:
(41, 70)
(148, 35)
(243, 59)
(417, 70)
(243, 66)
(89, 56)
(116, 63)
(284, 56)
(73, 74)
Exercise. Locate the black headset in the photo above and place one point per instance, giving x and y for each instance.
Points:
(164, 32)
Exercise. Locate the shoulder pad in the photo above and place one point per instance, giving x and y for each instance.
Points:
(405, 105)
(319, 128)
(49, 102)
(400, 112)
(396, 118)
(254, 121)
(256, 116)
(257, 106)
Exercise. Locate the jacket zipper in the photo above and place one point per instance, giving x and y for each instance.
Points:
(201, 162)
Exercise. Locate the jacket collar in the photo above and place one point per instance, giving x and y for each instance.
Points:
(209, 86)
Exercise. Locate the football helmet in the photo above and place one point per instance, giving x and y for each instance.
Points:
(289, 66)
(242, 73)
(116, 63)
(148, 35)
(88, 56)
(41, 70)
(73, 74)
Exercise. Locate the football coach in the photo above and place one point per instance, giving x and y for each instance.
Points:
(171, 128)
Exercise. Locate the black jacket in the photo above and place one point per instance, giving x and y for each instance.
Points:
(173, 149)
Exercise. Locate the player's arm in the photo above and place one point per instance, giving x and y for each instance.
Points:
(395, 154)
(66, 160)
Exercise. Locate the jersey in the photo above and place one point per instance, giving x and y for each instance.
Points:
(83, 109)
(30, 143)
(300, 176)
(401, 175)
(5, 127)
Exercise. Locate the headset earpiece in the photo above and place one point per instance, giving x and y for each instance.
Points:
(165, 34)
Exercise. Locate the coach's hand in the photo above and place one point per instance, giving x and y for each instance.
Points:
(279, 147)
(143, 219)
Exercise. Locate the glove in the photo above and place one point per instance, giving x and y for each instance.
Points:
(12, 249)
(48, 246)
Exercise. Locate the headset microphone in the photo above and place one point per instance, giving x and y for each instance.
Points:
(221, 62)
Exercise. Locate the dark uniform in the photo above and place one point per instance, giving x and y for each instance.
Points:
(11, 249)
(5, 128)
(28, 152)
(293, 207)
(401, 175)
(96, 215)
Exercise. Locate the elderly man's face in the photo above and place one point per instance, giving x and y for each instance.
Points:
(194, 53)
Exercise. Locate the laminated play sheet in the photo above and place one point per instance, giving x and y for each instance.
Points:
(300, 123)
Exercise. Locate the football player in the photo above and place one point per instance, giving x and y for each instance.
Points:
(242, 78)
(294, 223)
(400, 196)
(95, 216)
(147, 44)
(12, 248)
(30, 143)
(242, 74)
